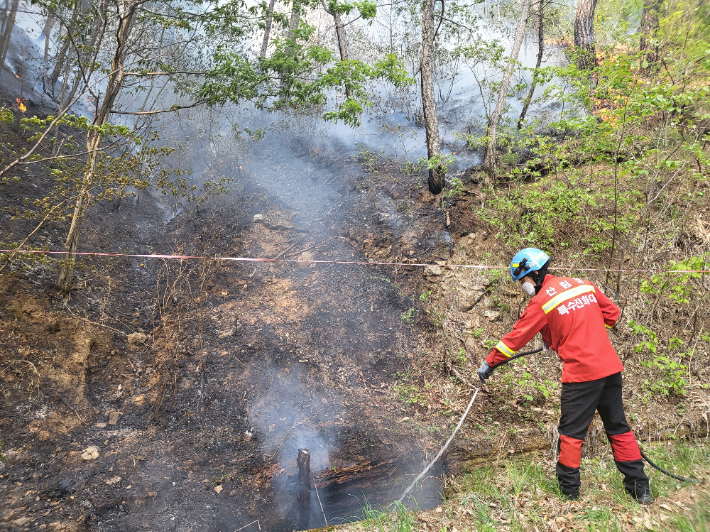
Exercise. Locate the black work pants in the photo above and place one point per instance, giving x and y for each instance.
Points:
(579, 400)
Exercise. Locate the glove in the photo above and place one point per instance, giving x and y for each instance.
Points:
(485, 371)
(545, 347)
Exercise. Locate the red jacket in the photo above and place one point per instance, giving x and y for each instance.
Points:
(572, 315)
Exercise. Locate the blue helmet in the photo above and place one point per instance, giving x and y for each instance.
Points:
(527, 260)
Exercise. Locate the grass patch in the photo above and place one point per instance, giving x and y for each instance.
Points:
(521, 494)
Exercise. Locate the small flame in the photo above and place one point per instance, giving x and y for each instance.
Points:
(21, 104)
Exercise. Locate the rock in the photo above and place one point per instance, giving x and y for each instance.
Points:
(218, 489)
(22, 521)
(492, 315)
(467, 299)
(137, 338)
(139, 400)
(306, 256)
(112, 481)
(101, 425)
(113, 418)
(433, 271)
(65, 486)
(90, 453)
(258, 218)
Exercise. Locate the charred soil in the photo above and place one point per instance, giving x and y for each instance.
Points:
(176, 394)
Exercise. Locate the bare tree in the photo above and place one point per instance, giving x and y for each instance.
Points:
(431, 122)
(47, 31)
(8, 25)
(86, 52)
(584, 34)
(59, 65)
(489, 161)
(538, 21)
(267, 29)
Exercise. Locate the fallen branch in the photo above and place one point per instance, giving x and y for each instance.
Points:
(81, 419)
(288, 248)
(93, 322)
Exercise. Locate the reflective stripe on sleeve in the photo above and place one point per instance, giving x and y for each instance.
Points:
(507, 351)
(608, 326)
(564, 296)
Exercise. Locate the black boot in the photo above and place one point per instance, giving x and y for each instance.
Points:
(641, 491)
(568, 481)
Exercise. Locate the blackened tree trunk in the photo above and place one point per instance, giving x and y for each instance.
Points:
(267, 29)
(649, 28)
(539, 17)
(489, 161)
(431, 122)
(303, 496)
(584, 35)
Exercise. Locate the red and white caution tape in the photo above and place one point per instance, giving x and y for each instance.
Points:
(313, 261)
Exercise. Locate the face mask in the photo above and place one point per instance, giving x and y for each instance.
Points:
(529, 288)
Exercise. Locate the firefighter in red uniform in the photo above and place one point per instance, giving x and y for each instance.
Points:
(573, 315)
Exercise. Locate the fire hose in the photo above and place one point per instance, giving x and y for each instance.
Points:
(458, 426)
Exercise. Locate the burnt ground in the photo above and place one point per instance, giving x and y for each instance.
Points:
(197, 425)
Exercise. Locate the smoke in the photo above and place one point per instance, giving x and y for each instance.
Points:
(292, 415)
(289, 416)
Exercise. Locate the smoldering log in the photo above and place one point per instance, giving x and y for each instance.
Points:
(304, 466)
(303, 491)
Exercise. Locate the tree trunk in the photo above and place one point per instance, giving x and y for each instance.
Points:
(7, 34)
(649, 28)
(267, 29)
(94, 44)
(341, 35)
(539, 17)
(47, 31)
(93, 141)
(342, 40)
(489, 161)
(295, 19)
(303, 495)
(584, 34)
(431, 123)
(62, 55)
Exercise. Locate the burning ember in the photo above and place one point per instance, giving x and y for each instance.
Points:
(21, 104)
